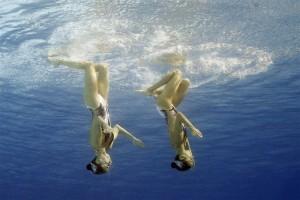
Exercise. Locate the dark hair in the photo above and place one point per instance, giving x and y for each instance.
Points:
(96, 168)
(182, 163)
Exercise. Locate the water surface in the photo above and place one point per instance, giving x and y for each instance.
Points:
(242, 58)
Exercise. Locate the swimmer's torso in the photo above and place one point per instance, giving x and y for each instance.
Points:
(178, 134)
(102, 139)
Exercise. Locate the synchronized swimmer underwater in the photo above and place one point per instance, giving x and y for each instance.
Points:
(102, 134)
(168, 92)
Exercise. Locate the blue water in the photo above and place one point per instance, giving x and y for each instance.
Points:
(243, 60)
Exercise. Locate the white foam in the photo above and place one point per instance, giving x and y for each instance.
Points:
(136, 58)
(90, 40)
(139, 58)
(214, 61)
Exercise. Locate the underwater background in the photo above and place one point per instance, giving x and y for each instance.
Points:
(242, 58)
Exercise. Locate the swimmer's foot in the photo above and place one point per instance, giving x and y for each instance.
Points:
(55, 59)
(51, 55)
(145, 92)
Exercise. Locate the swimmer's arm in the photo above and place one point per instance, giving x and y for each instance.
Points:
(134, 140)
(74, 64)
(120, 130)
(188, 123)
(105, 126)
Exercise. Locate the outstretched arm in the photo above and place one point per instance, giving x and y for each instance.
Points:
(131, 137)
(119, 129)
(182, 118)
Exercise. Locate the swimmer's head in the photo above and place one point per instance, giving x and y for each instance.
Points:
(183, 163)
(99, 165)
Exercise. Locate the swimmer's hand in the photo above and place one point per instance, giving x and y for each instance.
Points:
(195, 132)
(137, 142)
(108, 130)
(145, 92)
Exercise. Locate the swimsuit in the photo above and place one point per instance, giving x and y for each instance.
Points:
(164, 112)
(103, 112)
(184, 129)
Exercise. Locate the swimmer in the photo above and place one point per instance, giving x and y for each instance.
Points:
(102, 134)
(168, 93)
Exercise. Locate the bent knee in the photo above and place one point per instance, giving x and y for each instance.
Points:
(177, 73)
(176, 77)
(185, 83)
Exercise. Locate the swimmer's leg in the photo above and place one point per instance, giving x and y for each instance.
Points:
(172, 84)
(162, 82)
(181, 92)
(102, 79)
(158, 91)
(165, 98)
(90, 78)
(91, 87)
(73, 64)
